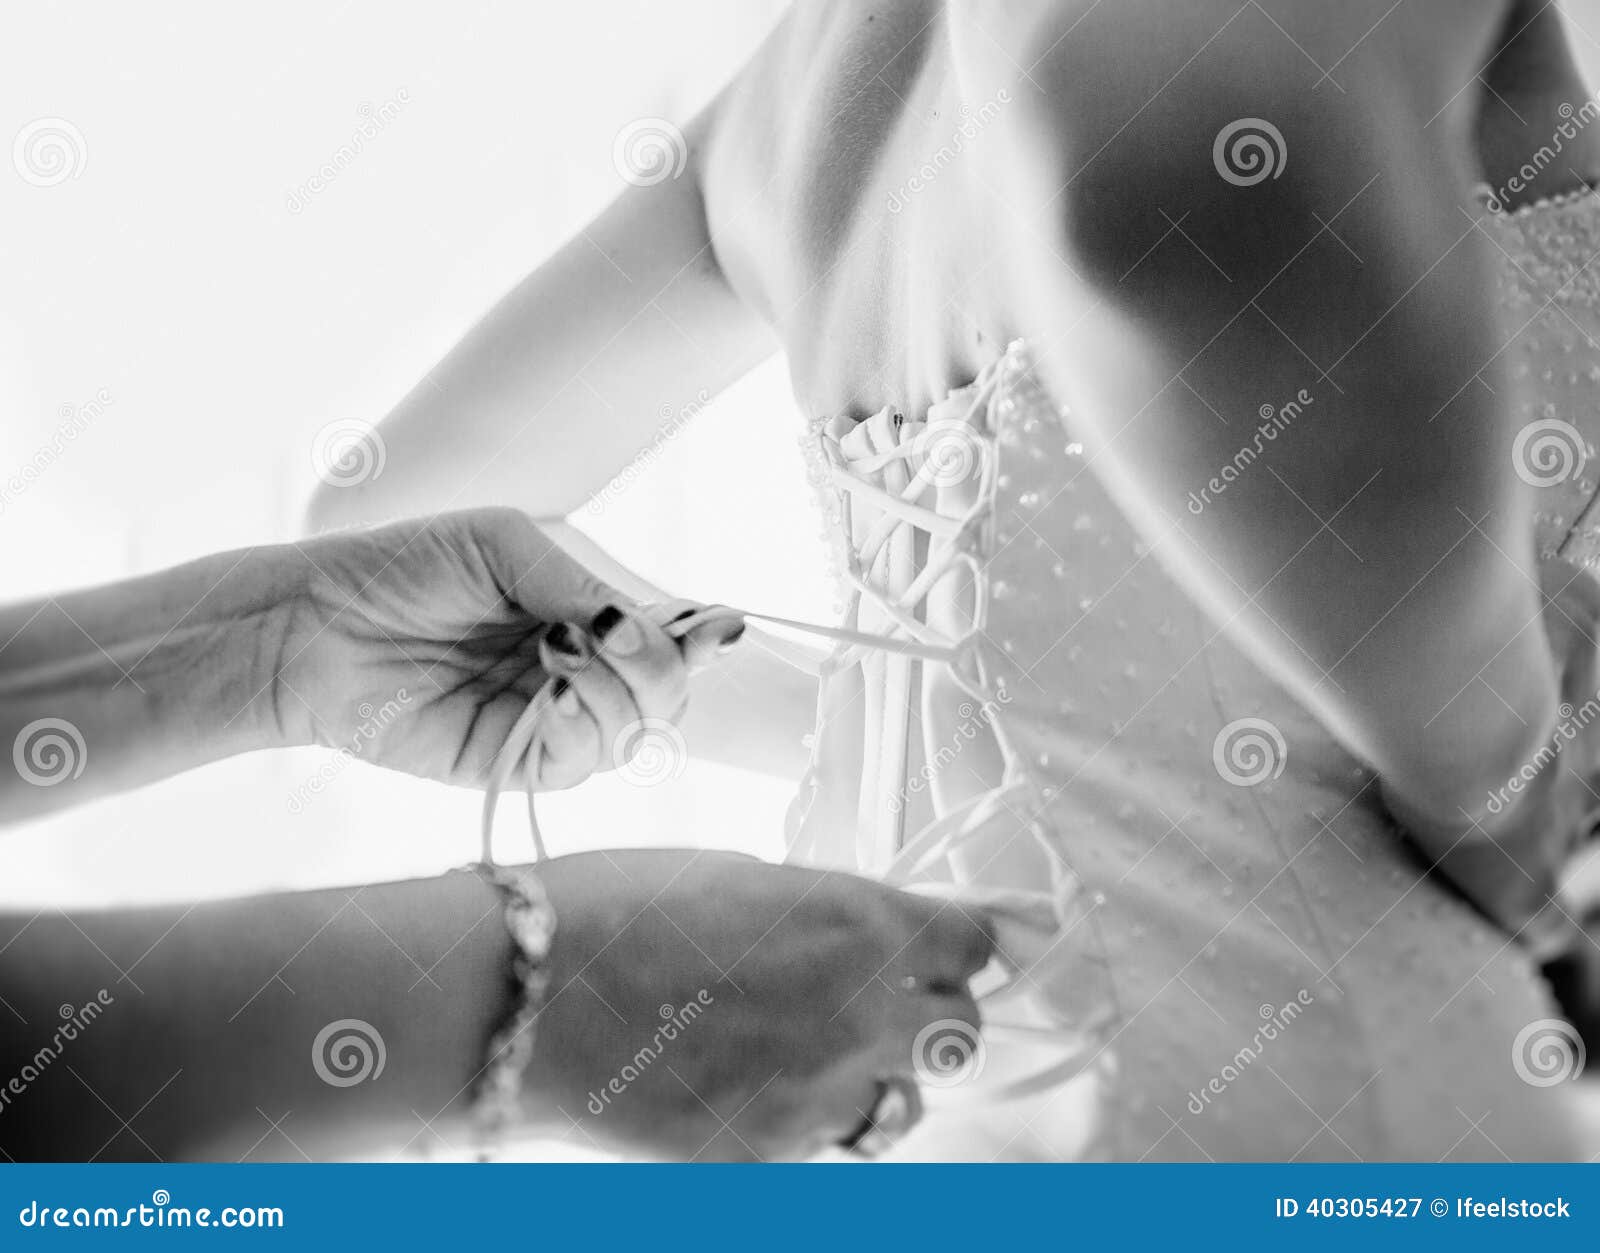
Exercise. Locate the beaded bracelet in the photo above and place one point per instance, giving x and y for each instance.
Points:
(531, 920)
(529, 917)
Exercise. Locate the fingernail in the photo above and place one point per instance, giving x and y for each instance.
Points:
(893, 1112)
(874, 1144)
(564, 698)
(559, 638)
(618, 632)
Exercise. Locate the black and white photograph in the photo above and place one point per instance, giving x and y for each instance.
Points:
(848, 582)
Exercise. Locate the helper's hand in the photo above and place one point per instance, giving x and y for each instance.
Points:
(417, 645)
(710, 1006)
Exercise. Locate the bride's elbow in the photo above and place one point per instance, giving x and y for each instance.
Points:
(326, 510)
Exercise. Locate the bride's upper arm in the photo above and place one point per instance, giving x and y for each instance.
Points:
(627, 328)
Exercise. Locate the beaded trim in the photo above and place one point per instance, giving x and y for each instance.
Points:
(531, 920)
(828, 503)
(1557, 200)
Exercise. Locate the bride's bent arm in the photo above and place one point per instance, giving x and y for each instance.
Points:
(624, 331)
(1376, 553)
(618, 337)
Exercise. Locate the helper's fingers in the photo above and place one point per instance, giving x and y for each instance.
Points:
(535, 573)
(846, 1111)
(701, 643)
(623, 729)
(707, 641)
(568, 741)
(949, 941)
(895, 1109)
(875, 1099)
(645, 658)
(931, 1034)
(837, 1108)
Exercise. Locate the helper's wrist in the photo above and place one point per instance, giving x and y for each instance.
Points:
(282, 637)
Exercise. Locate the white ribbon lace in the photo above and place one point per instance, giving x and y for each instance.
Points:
(906, 636)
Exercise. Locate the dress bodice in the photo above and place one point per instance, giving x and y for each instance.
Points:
(1258, 965)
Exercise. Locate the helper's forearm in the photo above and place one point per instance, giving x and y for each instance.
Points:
(112, 687)
(252, 1028)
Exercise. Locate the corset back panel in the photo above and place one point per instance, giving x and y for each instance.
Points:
(1261, 967)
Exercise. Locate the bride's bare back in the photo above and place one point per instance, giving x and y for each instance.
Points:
(860, 176)
(903, 188)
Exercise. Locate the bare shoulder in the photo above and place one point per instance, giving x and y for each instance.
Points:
(786, 149)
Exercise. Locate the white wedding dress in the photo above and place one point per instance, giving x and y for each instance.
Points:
(1250, 964)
